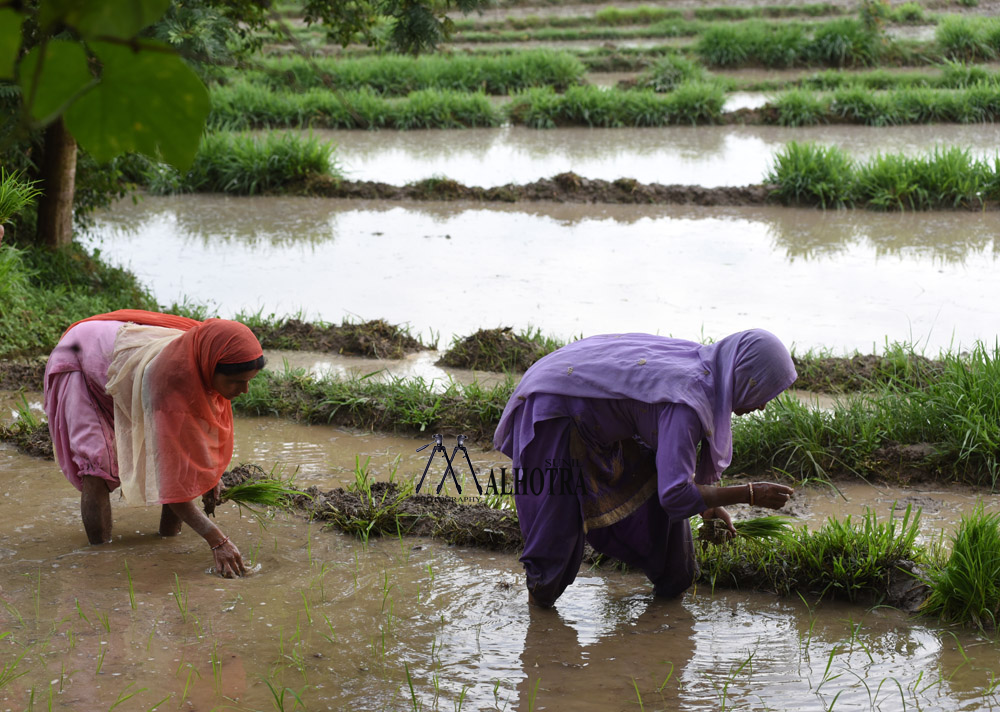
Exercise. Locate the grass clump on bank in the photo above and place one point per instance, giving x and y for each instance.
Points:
(946, 429)
(841, 43)
(810, 174)
(969, 39)
(398, 76)
(839, 560)
(691, 103)
(499, 350)
(389, 404)
(242, 105)
(966, 588)
(243, 164)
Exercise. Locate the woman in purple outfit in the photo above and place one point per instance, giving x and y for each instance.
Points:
(600, 426)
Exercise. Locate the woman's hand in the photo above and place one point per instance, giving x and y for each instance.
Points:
(228, 561)
(770, 495)
(722, 514)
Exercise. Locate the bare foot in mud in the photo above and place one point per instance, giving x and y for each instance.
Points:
(170, 523)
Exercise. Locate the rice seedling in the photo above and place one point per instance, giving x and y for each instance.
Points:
(125, 695)
(247, 165)
(180, 598)
(592, 106)
(839, 559)
(399, 75)
(131, 588)
(806, 173)
(767, 527)
(16, 194)
(968, 39)
(826, 176)
(966, 588)
(269, 492)
(241, 105)
(800, 108)
(668, 73)
(100, 658)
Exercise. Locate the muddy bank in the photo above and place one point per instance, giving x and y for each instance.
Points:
(376, 338)
(562, 188)
(27, 374)
(861, 371)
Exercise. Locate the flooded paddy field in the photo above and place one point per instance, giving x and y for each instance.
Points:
(709, 156)
(415, 624)
(844, 280)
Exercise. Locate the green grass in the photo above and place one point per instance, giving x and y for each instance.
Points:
(840, 43)
(969, 39)
(42, 292)
(670, 72)
(690, 103)
(947, 428)
(811, 174)
(839, 560)
(242, 105)
(395, 75)
(966, 587)
(243, 164)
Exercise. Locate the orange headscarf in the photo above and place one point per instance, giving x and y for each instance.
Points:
(140, 316)
(174, 432)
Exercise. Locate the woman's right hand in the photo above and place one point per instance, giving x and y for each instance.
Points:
(228, 561)
(771, 495)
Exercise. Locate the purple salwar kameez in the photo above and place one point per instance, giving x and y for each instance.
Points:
(628, 415)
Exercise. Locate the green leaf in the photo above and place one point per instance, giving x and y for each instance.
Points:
(10, 41)
(51, 75)
(120, 19)
(148, 101)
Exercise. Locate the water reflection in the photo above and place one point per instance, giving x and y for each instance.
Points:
(841, 279)
(688, 155)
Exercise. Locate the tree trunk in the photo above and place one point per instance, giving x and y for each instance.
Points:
(58, 176)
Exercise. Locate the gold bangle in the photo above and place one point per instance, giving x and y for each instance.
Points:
(750, 487)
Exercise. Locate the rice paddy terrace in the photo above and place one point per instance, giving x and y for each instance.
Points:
(827, 171)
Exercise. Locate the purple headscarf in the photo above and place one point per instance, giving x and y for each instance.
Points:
(742, 371)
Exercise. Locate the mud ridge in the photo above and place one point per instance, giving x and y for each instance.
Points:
(376, 338)
(562, 188)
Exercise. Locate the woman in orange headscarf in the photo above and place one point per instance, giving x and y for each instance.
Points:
(141, 400)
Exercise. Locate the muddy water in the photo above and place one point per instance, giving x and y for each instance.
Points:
(703, 155)
(396, 624)
(839, 279)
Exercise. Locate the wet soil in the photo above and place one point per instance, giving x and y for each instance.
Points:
(859, 372)
(562, 188)
(376, 338)
(34, 441)
(498, 350)
(27, 374)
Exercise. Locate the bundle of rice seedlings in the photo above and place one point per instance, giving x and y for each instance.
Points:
(760, 528)
(254, 489)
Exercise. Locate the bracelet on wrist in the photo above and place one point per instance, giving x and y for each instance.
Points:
(224, 540)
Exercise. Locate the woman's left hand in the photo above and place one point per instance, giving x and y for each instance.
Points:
(720, 513)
